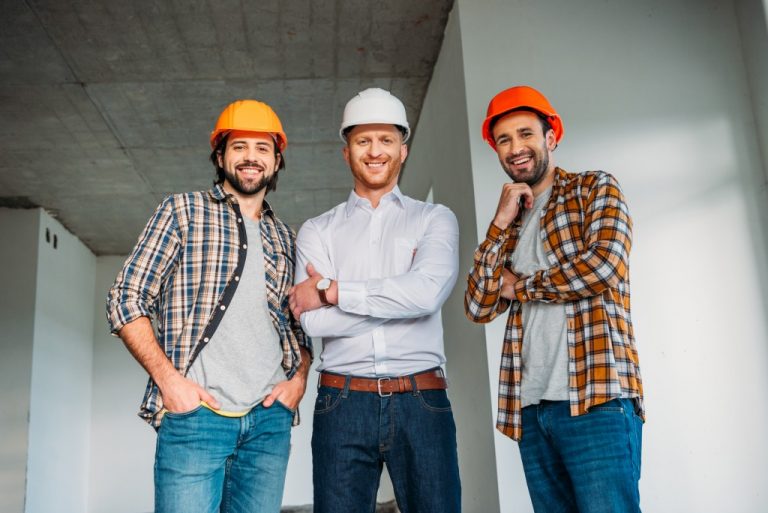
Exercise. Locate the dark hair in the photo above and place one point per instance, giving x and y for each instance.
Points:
(545, 126)
(221, 147)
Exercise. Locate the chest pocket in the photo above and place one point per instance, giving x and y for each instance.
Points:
(404, 252)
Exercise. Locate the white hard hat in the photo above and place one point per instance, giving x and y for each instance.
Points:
(374, 105)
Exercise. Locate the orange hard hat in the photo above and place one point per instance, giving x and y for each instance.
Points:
(521, 97)
(249, 116)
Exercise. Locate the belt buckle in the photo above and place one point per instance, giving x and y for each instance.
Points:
(378, 386)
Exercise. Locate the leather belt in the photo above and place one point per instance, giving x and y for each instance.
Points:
(430, 380)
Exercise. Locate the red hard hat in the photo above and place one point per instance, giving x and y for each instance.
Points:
(516, 98)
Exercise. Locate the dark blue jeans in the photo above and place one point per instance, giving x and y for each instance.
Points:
(207, 463)
(356, 433)
(584, 464)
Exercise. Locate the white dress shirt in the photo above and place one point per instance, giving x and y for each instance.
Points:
(395, 266)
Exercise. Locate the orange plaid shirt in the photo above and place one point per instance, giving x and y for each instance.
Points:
(587, 236)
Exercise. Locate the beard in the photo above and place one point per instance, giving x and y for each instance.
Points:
(250, 188)
(540, 164)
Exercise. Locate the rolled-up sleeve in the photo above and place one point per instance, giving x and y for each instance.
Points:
(137, 287)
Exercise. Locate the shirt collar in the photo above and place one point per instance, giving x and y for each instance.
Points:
(561, 178)
(219, 194)
(395, 196)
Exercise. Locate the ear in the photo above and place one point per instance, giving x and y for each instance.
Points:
(403, 152)
(551, 140)
(219, 159)
(345, 152)
(278, 158)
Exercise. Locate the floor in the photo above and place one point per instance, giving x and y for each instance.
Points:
(387, 507)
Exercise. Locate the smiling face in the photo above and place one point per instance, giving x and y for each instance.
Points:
(249, 162)
(375, 153)
(523, 147)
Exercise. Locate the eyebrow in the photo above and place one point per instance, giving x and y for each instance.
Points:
(243, 141)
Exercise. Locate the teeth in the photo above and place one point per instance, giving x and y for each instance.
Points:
(375, 164)
(523, 160)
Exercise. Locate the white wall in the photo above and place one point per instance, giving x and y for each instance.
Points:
(18, 268)
(60, 394)
(656, 93)
(122, 445)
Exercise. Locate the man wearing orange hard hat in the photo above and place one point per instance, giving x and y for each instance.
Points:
(229, 363)
(556, 255)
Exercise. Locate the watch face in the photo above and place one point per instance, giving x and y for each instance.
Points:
(323, 284)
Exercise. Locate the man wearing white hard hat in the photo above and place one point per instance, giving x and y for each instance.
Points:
(372, 275)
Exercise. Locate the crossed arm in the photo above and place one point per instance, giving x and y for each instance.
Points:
(358, 306)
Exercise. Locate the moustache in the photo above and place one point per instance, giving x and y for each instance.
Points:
(249, 163)
(511, 158)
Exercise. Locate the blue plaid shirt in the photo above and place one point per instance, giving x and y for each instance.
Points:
(184, 270)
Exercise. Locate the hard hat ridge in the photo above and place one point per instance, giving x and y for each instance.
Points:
(249, 116)
(520, 98)
(374, 105)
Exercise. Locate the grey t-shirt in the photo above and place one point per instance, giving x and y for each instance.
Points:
(545, 344)
(242, 361)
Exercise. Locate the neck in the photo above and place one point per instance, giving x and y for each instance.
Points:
(372, 195)
(250, 204)
(547, 180)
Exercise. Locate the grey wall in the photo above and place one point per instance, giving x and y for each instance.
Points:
(440, 158)
(18, 277)
(753, 29)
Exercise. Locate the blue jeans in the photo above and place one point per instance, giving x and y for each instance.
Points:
(206, 463)
(584, 464)
(356, 433)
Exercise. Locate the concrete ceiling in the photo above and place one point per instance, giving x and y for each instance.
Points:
(106, 105)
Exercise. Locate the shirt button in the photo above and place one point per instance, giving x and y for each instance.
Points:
(239, 219)
(223, 307)
(245, 246)
(206, 339)
(237, 278)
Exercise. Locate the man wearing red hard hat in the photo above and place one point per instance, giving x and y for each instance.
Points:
(556, 255)
(229, 364)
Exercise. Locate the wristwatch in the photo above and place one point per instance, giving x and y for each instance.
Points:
(322, 286)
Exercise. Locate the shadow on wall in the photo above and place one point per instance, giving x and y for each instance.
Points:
(386, 507)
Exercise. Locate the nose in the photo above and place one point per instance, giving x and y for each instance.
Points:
(516, 146)
(374, 150)
(252, 154)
